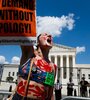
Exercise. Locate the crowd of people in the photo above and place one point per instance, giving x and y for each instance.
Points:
(71, 91)
(83, 88)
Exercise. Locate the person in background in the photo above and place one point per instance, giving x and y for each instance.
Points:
(70, 85)
(83, 87)
(58, 88)
(39, 68)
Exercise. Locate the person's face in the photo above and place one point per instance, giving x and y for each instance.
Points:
(45, 40)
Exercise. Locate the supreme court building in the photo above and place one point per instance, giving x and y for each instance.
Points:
(64, 58)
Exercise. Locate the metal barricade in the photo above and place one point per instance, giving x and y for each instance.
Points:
(75, 98)
(4, 95)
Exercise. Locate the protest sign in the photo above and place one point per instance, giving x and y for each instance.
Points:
(17, 22)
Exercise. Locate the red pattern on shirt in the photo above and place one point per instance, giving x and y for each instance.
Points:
(36, 91)
(44, 65)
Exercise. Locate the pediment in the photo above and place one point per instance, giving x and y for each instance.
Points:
(59, 47)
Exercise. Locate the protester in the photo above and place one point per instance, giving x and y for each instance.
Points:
(58, 88)
(83, 87)
(36, 72)
(70, 85)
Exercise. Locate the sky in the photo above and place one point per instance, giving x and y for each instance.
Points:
(69, 23)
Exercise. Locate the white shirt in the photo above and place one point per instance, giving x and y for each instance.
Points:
(58, 86)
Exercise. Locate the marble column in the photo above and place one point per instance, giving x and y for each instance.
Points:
(55, 59)
(67, 61)
(73, 61)
(57, 67)
(61, 66)
(67, 66)
(61, 61)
